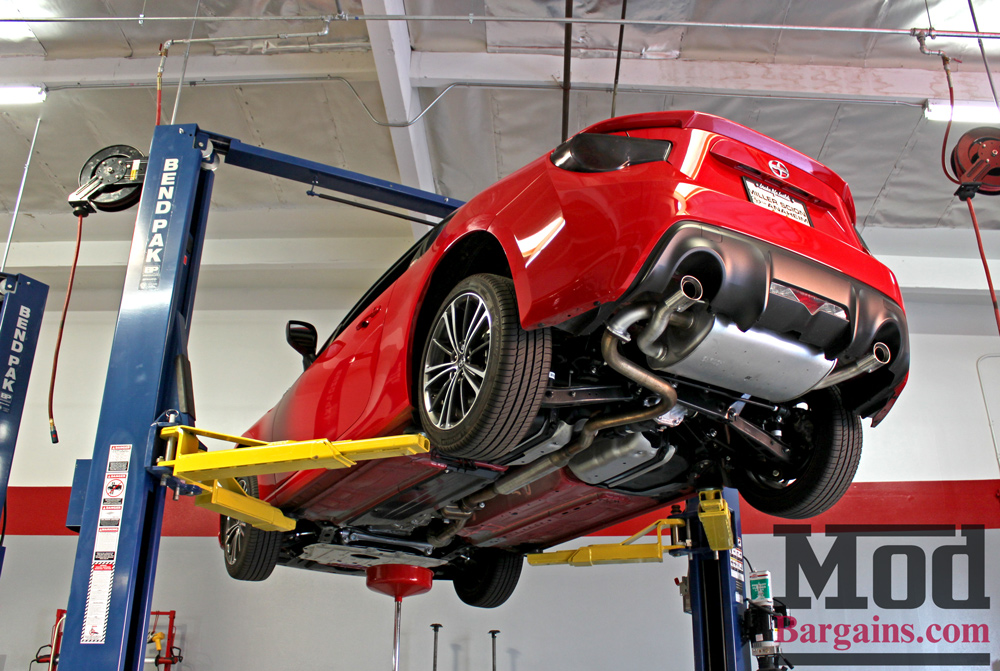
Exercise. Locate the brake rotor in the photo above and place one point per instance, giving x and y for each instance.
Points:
(979, 144)
(114, 166)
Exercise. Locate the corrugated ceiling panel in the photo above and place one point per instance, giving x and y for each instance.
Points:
(429, 36)
(916, 192)
(732, 44)
(63, 40)
(461, 142)
(588, 39)
(16, 39)
(864, 145)
(75, 125)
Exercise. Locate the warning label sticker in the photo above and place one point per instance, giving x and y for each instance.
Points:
(102, 570)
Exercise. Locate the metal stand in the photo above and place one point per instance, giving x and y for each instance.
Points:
(708, 532)
(119, 502)
(437, 629)
(718, 593)
(399, 581)
(493, 637)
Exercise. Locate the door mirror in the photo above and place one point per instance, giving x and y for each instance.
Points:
(303, 338)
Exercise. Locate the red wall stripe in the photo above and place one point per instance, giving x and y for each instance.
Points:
(41, 511)
(922, 503)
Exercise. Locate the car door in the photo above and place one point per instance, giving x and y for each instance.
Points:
(332, 393)
(335, 390)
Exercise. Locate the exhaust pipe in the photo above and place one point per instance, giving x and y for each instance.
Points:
(525, 475)
(878, 357)
(690, 292)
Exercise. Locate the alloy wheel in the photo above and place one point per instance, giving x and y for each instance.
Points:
(455, 366)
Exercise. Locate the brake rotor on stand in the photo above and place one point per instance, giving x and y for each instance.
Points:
(976, 162)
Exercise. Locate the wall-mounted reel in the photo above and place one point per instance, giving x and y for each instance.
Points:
(110, 181)
(976, 162)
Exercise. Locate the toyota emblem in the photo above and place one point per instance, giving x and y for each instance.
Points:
(779, 169)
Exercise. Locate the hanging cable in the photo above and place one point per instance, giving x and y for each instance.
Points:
(986, 265)
(618, 59)
(62, 323)
(982, 50)
(567, 68)
(20, 192)
(187, 53)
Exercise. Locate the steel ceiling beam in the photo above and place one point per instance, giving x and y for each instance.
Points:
(390, 43)
(473, 18)
(430, 69)
(123, 72)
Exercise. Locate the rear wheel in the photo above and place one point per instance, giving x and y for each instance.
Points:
(824, 439)
(489, 578)
(250, 553)
(482, 376)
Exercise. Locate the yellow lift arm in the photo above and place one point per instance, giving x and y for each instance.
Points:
(215, 473)
(626, 552)
(713, 512)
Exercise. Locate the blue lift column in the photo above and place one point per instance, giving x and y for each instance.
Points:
(718, 594)
(20, 319)
(116, 503)
(123, 506)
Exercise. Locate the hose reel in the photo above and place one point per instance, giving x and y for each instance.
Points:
(110, 181)
(976, 162)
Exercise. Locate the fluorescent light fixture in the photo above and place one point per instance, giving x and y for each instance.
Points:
(965, 111)
(15, 32)
(21, 95)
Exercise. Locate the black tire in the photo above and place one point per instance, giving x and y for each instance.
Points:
(825, 440)
(249, 553)
(510, 366)
(489, 578)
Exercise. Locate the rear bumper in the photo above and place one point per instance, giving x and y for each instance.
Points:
(737, 272)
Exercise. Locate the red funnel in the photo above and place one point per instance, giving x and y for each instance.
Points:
(399, 580)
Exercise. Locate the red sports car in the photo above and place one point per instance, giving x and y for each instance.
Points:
(665, 302)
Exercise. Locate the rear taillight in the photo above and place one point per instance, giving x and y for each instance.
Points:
(593, 152)
(812, 302)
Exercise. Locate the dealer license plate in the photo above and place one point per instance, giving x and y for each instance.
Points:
(776, 201)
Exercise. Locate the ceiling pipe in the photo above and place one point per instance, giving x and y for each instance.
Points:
(472, 18)
(418, 117)
(240, 38)
(986, 62)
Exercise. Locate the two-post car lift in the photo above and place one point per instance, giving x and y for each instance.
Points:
(118, 495)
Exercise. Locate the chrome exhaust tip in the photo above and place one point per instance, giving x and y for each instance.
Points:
(878, 357)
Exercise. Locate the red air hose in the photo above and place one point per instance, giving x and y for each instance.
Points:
(986, 266)
(62, 324)
(972, 210)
